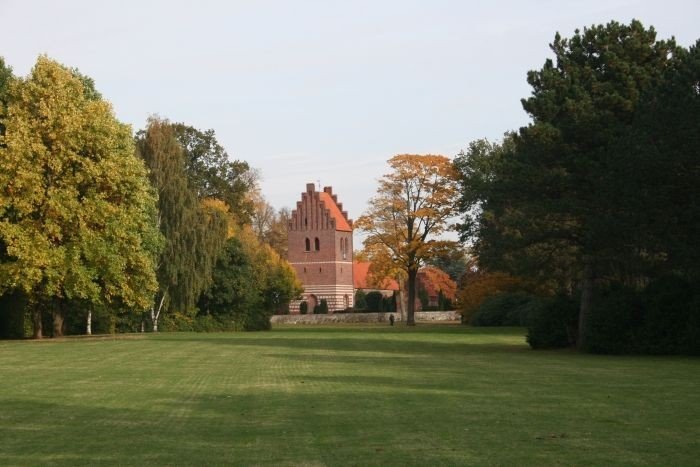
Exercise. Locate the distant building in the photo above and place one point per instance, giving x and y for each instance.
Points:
(320, 250)
(430, 280)
(360, 273)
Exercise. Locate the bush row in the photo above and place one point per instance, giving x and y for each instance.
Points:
(662, 318)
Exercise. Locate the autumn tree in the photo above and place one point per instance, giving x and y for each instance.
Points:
(269, 225)
(194, 236)
(5, 76)
(440, 280)
(276, 236)
(77, 214)
(382, 270)
(411, 209)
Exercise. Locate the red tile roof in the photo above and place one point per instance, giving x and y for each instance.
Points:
(360, 271)
(341, 223)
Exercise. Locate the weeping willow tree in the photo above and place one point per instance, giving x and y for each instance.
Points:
(194, 235)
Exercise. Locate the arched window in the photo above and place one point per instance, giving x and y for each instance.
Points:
(308, 244)
(317, 244)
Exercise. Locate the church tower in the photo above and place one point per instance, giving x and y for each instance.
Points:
(320, 250)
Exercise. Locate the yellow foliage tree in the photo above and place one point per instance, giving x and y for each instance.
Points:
(413, 205)
(77, 214)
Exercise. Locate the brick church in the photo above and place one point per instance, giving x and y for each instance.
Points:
(320, 250)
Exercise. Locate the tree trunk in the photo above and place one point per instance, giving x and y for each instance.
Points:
(156, 314)
(58, 320)
(88, 329)
(586, 301)
(37, 321)
(410, 316)
(401, 303)
(154, 320)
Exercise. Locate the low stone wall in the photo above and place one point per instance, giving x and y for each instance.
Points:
(437, 316)
(362, 317)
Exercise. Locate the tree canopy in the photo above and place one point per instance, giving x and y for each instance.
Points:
(251, 282)
(212, 175)
(413, 205)
(77, 214)
(194, 236)
(571, 195)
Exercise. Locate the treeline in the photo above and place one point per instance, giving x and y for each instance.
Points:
(593, 209)
(102, 230)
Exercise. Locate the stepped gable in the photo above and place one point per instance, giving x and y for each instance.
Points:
(322, 209)
(319, 248)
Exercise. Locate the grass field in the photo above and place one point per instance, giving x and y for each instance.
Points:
(350, 395)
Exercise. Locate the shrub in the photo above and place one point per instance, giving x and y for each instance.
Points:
(476, 287)
(552, 322)
(12, 315)
(444, 303)
(670, 317)
(424, 299)
(662, 319)
(389, 304)
(691, 342)
(321, 308)
(503, 309)
(360, 300)
(613, 321)
(209, 323)
(257, 322)
(374, 301)
(303, 307)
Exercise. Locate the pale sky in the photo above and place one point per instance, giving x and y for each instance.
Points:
(319, 90)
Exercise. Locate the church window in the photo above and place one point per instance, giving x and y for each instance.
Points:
(317, 244)
(308, 244)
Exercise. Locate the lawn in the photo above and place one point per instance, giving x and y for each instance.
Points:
(343, 395)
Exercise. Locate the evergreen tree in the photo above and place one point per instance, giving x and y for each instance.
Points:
(557, 200)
